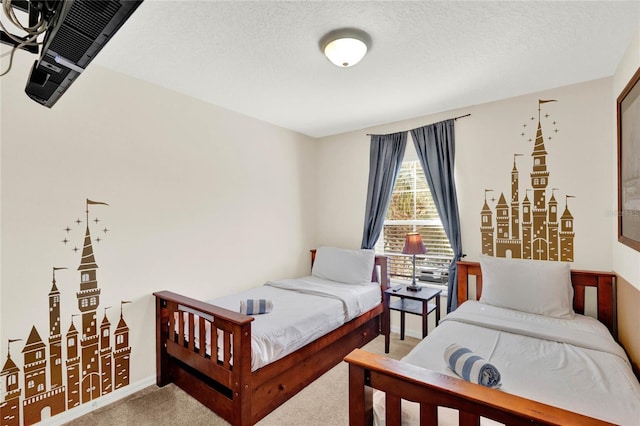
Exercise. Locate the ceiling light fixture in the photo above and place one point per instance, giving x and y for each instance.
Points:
(345, 47)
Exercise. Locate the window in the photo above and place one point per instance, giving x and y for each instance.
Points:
(412, 210)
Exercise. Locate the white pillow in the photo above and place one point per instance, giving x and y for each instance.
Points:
(535, 286)
(342, 265)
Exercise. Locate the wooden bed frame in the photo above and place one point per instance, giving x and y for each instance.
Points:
(400, 380)
(229, 387)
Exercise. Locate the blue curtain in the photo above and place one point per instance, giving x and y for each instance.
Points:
(385, 159)
(435, 145)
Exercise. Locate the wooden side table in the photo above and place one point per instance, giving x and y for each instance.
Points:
(412, 302)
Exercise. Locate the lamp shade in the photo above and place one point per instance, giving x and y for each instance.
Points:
(413, 244)
(345, 47)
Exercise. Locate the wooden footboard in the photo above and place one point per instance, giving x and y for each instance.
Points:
(399, 380)
(227, 385)
(219, 382)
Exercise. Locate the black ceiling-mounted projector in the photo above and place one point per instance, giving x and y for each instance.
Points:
(76, 32)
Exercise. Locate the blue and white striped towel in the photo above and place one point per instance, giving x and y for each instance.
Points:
(255, 306)
(471, 367)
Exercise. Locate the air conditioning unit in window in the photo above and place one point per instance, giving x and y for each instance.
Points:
(433, 275)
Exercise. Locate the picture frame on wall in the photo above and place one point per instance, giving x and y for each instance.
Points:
(628, 117)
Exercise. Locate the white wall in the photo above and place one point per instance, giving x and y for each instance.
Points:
(579, 161)
(202, 201)
(626, 260)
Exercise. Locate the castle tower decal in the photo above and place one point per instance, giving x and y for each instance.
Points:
(55, 336)
(38, 399)
(10, 405)
(529, 230)
(88, 301)
(73, 367)
(122, 352)
(486, 229)
(52, 381)
(566, 234)
(105, 354)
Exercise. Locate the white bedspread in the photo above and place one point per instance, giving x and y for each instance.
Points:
(304, 309)
(574, 363)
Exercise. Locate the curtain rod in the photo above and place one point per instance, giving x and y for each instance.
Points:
(454, 118)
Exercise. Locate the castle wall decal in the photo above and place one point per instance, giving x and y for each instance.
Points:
(94, 365)
(530, 229)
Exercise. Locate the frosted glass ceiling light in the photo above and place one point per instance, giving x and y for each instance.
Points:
(345, 47)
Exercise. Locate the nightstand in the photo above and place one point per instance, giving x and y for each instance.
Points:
(412, 302)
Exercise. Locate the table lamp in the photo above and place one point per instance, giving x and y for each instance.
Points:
(413, 245)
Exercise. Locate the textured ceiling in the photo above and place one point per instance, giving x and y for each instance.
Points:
(262, 59)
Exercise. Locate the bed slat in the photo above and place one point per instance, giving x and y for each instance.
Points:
(180, 329)
(468, 419)
(202, 337)
(428, 414)
(392, 409)
(192, 332)
(226, 350)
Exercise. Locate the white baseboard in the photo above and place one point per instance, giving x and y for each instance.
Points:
(81, 410)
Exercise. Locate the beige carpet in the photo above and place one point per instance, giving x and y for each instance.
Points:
(324, 402)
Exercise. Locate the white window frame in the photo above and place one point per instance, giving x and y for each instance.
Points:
(432, 262)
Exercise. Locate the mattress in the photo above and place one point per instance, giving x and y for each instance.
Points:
(573, 364)
(304, 309)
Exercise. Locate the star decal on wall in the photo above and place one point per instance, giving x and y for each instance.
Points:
(76, 234)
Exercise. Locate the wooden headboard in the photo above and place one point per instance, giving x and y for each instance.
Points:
(603, 282)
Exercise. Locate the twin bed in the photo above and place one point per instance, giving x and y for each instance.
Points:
(243, 367)
(554, 362)
(557, 366)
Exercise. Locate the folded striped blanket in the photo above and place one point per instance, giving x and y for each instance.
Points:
(255, 306)
(471, 367)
